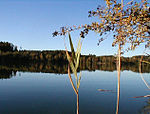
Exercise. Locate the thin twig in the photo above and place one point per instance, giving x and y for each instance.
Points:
(104, 90)
(128, 3)
(142, 96)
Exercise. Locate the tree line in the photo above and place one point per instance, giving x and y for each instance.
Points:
(56, 61)
(8, 57)
(59, 56)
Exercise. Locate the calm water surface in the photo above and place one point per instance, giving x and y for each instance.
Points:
(49, 93)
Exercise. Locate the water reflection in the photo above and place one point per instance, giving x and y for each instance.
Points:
(140, 71)
(50, 93)
(6, 74)
(7, 71)
(146, 109)
(99, 81)
(118, 88)
(145, 82)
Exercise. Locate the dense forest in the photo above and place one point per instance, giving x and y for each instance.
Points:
(12, 60)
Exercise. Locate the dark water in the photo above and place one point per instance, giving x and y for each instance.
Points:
(49, 93)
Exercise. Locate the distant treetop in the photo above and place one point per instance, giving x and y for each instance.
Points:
(7, 47)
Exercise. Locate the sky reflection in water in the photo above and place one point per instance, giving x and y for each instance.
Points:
(53, 93)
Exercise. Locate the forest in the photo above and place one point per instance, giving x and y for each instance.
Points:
(25, 57)
(48, 61)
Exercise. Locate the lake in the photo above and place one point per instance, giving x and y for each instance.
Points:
(52, 93)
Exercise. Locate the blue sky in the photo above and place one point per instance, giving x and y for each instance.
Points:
(29, 24)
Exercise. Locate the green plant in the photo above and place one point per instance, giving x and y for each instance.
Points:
(74, 61)
(74, 64)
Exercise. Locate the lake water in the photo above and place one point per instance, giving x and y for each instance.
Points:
(49, 93)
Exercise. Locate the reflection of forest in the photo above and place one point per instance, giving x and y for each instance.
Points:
(8, 70)
(56, 62)
(5, 73)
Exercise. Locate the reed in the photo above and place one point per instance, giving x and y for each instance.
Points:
(74, 64)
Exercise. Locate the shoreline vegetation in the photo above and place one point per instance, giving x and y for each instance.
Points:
(56, 61)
